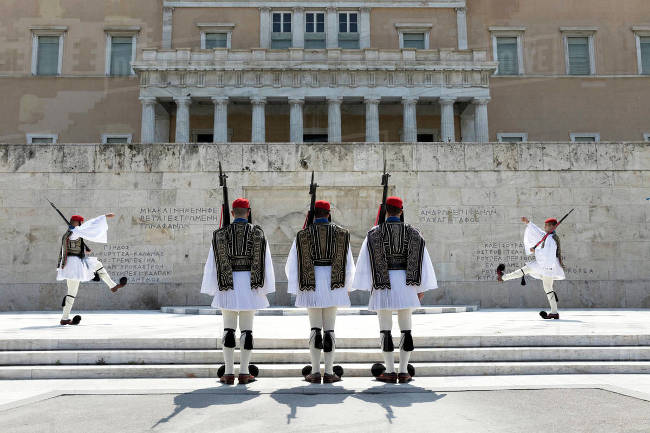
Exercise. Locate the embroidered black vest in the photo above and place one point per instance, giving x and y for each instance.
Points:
(395, 246)
(239, 247)
(322, 245)
(76, 248)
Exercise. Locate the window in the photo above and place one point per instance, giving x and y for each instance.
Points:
(413, 35)
(413, 40)
(579, 50)
(47, 49)
(122, 48)
(281, 30)
(507, 56)
(116, 138)
(646, 137)
(315, 30)
(216, 40)
(42, 138)
(215, 35)
(349, 30)
(642, 36)
(512, 137)
(585, 137)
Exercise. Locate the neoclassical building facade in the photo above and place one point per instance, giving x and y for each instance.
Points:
(336, 71)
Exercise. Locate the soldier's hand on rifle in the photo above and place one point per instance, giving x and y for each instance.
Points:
(420, 296)
(532, 250)
(110, 215)
(525, 220)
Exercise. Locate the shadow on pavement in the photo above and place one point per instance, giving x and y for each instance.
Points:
(206, 397)
(389, 396)
(320, 394)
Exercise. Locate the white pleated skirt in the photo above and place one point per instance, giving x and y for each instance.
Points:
(323, 296)
(242, 297)
(399, 296)
(539, 271)
(78, 269)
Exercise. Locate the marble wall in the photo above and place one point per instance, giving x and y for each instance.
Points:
(467, 200)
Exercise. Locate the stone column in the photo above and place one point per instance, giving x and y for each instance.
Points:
(182, 119)
(481, 120)
(161, 134)
(372, 118)
(332, 28)
(334, 119)
(295, 119)
(447, 132)
(220, 125)
(258, 132)
(461, 25)
(298, 27)
(167, 26)
(410, 125)
(467, 127)
(148, 125)
(265, 27)
(364, 28)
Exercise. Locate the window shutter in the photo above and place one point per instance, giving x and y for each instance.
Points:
(508, 56)
(579, 61)
(121, 49)
(48, 55)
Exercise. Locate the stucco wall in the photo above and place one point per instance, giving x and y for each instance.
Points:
(466, 199)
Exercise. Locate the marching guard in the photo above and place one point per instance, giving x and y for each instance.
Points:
(239, 274)
(75, 265)
(394, 265)
(319, 269)
(547, 266)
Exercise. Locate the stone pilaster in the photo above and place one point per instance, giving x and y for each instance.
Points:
(372, 118)
(332, 28)
(265, 27)
(298, 27)
(364, 28)
(295, 119)
(334, 119)
(258, 132)
(410, 126)
(461, 26)
(167, 26)
(182, 119)
(481, 120)
(148, 126)
(220, 125)
(447, 131)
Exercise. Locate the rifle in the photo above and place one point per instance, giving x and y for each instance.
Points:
(381, 213)
(558, 224)
(225, 207)
(59, 212)
(312, 192)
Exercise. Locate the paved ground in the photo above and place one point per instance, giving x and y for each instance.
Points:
(143, 324)
(412, 408)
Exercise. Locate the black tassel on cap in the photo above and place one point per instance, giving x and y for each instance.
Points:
(318, 338)
(407, 341)
(328, 342)
(248, 340)
(387, 342)
(229, 338)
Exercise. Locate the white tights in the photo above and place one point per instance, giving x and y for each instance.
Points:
(324, 319)
(386, 324)
(245, 324)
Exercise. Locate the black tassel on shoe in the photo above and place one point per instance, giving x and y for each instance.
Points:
(328, 342)
(229, 338)
(407, 341)
(248, 340)
(318, 338)
(387, 342)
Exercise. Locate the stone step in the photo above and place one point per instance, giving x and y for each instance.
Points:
(293, 311)
(184, 343)
(279, 356)
(351, 370)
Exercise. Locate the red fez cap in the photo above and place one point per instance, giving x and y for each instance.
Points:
(241, 203)
(322, 204)
(551, 221)
(77, 218)
(395, 202)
